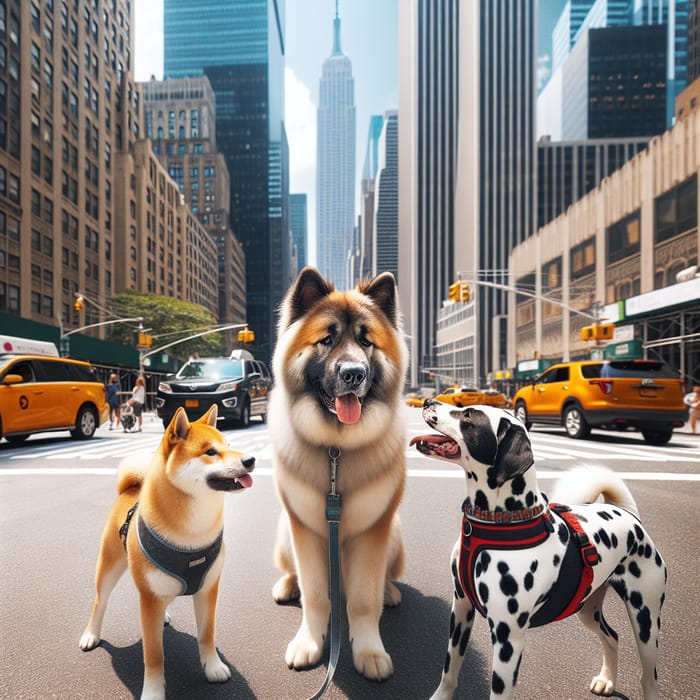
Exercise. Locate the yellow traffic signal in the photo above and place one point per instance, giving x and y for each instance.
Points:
(599, 331)
(79, 302)
(460, 291)
(246, 336)
(145, 340)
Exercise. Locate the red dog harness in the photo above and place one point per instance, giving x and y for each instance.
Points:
(499, 530)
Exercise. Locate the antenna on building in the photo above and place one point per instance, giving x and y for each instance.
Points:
(336, 31)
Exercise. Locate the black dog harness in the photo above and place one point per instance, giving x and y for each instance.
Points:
(188, 566)
(522, 529)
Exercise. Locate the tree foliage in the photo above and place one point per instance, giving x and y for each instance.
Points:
(168, 320)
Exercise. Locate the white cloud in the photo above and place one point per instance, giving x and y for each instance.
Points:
(300, 123)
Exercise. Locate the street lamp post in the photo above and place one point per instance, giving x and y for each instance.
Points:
(65, 342)
(218, 329)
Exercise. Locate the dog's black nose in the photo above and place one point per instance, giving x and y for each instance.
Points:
(248, 463)
(352, 374)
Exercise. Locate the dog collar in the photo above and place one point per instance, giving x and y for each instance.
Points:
(188, 566)
(499, 516)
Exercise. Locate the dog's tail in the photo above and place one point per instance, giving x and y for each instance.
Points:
(590, 484)
(132, 471)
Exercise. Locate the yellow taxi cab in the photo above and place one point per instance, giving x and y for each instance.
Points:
(40, 391)
(466, 396)
(641, 395)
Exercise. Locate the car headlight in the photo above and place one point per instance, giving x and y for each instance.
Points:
(227, 386)
(165, 388)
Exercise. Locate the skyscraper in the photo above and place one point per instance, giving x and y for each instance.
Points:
(495, 203)
(298, 219)
(239, 45)
(466, 98)
(386, 195)
(428, 101)
(335, 170)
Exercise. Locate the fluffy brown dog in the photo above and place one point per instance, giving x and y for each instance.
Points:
(339, 369)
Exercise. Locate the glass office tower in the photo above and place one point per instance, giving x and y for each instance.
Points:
(239, 45)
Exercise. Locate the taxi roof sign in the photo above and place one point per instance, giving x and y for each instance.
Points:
(12, 345)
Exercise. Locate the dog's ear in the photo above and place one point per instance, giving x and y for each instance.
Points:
(382, 291)
(310, 287)
(210, 416)
(514, 453)
(478, 435)
(179, 425)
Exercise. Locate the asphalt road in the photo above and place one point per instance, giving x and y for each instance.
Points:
(55, 495)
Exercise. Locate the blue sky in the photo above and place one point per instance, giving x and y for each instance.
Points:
(369, 36)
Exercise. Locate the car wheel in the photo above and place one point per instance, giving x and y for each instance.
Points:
(85, 424)
(263, 417)
(521, 414)
(574, 423)
(244, 420)
(657, 437)
(16, 439)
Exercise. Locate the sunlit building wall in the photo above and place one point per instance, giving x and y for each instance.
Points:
(69, 107)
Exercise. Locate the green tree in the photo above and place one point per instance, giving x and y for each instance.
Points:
(168, 320)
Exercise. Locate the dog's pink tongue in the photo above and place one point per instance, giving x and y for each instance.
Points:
(348, 408)
(246, 481)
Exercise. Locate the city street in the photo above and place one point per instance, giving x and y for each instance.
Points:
(55, 494)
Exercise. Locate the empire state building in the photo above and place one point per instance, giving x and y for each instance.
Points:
(335, 165)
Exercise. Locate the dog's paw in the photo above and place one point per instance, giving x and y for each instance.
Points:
(303, 651)
(392, 595)
(88, 641)
(601, 685)
(286, 590)
(216, 670)
(375, 665)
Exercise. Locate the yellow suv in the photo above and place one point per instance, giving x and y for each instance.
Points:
(643, 395)
(43, 392)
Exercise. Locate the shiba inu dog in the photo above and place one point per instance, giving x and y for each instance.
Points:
(339, 368)
(166, 526)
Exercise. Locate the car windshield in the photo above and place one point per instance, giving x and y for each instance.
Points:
(214, 369)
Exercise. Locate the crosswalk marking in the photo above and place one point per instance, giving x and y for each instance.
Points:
(547, 447)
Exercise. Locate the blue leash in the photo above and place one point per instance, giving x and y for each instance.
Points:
(333, 518)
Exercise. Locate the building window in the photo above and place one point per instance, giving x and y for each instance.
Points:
(622, 238)
(675, 211)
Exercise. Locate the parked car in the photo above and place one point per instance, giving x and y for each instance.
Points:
(467, 396)
(238, 384)
(642, 395)
(41, 392)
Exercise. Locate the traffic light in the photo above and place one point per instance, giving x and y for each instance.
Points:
(79, 303)
(245, 335)
(145, 340)
(599, 331)
(460, 291)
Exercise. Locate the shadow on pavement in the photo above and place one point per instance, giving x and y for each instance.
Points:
(184, 677)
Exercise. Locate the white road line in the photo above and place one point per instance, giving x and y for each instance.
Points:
(543, 474)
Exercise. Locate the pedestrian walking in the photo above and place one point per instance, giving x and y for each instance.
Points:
(693, 401)
(138, 399)
(113, 401)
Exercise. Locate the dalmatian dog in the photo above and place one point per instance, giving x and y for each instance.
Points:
(514, 559)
